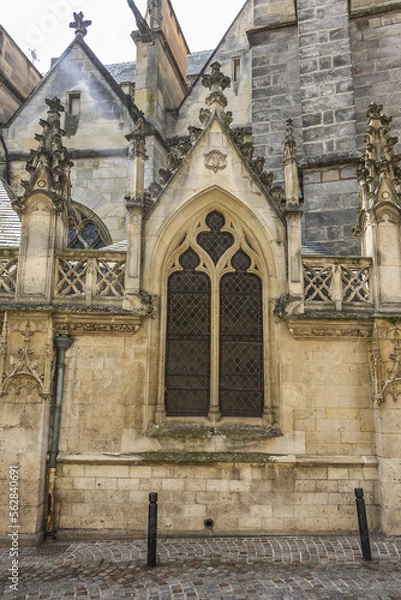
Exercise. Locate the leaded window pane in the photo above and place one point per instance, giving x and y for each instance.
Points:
(241, 341)
(188, 340)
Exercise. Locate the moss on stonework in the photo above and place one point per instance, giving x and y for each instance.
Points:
(207, 457)
(194, 431)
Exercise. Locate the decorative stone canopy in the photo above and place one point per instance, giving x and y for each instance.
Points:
(379, 175)
(216, 104)
(49, 165)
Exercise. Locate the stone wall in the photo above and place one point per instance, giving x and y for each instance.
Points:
(376, 57)
(18, 76)
(239, 496)
(301, 481)
(97, 144)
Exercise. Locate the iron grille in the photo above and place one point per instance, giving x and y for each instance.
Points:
(188, 340)
(241, 341)
(215, 242)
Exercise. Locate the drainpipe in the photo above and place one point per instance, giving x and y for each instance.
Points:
(3, 143)
(63, 342)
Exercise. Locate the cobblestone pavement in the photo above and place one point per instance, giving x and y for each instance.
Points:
(271, 568)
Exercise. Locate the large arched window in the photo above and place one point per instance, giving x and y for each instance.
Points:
(214, 326)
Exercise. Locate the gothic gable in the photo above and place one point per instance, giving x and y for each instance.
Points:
(213, 174)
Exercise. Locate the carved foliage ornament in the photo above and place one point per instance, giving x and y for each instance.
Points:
(386, 363)
(25, 366)
(79, 24)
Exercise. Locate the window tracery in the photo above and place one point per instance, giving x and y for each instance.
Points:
(86, 230)
(214, 328)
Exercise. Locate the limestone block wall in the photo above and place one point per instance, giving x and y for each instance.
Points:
(104, 393)
(18, 76)
(239, 496)
(327, 395)
(275, 93)
(376, 58)
(107, 469)
(330, 201)
(101, 184)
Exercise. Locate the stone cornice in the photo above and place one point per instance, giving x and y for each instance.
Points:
(330, 329)
(83, 324)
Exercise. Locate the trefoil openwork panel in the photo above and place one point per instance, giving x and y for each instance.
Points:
(355, 284)
(317, 283)
(8, 275)
(215, 241)
(110, 278)
(71, 277)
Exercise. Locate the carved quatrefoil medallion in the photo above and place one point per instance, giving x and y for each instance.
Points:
(215, 160)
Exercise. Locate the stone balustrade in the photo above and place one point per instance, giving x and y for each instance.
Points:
(336, 282)
(84, 277)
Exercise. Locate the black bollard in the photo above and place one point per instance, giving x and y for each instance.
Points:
(152, 529)
(363, 524)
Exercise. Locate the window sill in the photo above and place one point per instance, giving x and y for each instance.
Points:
(233, 431)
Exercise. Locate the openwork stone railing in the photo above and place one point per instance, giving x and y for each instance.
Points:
(335, 282)
(8, 273)
(89, 277)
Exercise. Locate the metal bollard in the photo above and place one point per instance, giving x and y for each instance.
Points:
(152, 529)
(363, 524)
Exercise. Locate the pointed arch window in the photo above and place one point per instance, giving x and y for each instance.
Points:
(214, 327)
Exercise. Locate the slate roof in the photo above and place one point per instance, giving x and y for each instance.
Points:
(10, 225)
(126, 71)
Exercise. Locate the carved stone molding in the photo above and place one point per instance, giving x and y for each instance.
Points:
(339, 330)
(385, 362)
(215, 161)
(96, 324)
(26, 356)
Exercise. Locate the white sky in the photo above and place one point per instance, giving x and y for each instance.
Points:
(43, 25)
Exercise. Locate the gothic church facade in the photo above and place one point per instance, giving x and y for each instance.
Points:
(200, 279)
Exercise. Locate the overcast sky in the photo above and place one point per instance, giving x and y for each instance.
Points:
(43, 25)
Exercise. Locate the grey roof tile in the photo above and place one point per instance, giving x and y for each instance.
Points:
(126, 71)
(10, 225)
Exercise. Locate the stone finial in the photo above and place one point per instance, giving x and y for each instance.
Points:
(79, 24)
(49, 165)
(290, 147)
(144, 30)
(216, 82)
(290, 164)
(137, 139)
(380, 161)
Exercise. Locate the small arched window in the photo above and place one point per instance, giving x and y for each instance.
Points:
(86, 230)
(214, 330)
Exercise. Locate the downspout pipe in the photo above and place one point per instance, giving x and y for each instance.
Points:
(63, 342)
(6, 155)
